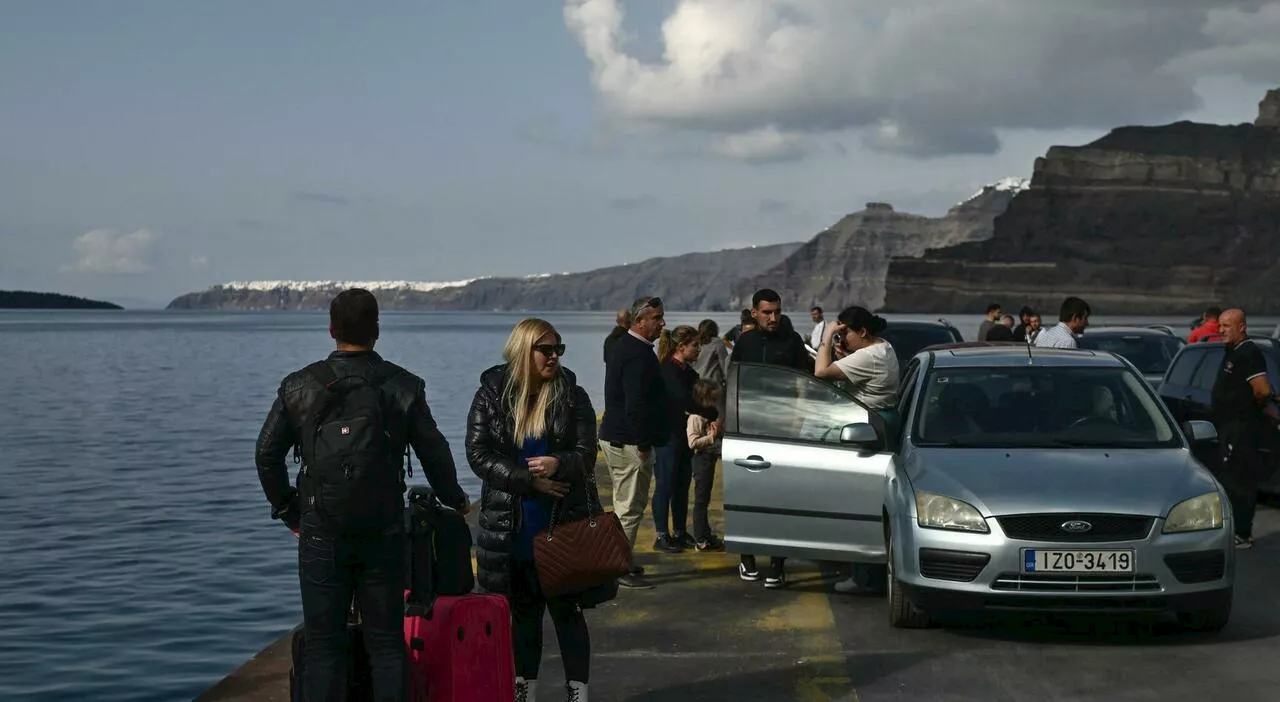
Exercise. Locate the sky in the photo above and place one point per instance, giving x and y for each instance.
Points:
(150, 148)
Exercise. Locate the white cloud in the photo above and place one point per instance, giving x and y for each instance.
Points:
(199, 261)
(921, 77)
(767, 145)
(111, 252)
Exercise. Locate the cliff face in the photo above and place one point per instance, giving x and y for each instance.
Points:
(1146, 220)
(1269, 110)
(848, 263)
(697, 281)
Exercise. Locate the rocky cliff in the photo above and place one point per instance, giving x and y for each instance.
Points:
(848, 263)
(1145, 220)
(696, 281)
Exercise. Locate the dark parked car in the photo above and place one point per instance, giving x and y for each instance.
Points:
(1149, 349)
(908, 338)
(1188, 385)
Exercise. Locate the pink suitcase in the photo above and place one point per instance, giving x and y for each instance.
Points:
(461, 651)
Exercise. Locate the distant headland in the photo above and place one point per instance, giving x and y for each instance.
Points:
(27, 300)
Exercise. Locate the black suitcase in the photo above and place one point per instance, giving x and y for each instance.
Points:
(438, 551)
(359, 675)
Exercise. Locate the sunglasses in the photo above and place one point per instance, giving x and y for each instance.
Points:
(654, 302)
(547, 350)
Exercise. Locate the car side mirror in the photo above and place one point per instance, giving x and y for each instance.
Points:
(1199, 430)
(859, 434)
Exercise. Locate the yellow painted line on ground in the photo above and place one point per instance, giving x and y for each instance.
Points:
(809, 615)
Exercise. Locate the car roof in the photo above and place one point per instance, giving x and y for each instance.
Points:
(918, 323)
(1125, 331)
(1018, 354)
(1262, 341)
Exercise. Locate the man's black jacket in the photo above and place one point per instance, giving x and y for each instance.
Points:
(408, 416)
(780, 348)
(635, 397)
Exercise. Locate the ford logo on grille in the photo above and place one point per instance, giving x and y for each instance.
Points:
(1076, 526)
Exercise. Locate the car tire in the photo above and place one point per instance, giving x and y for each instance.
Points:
(1211, 619)
(903, 613)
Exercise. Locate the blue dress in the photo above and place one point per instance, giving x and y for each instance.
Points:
(535, 511)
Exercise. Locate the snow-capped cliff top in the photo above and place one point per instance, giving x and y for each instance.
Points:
(1017, 185)
(415, 286)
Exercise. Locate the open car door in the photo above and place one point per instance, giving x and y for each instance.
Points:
(791, 487)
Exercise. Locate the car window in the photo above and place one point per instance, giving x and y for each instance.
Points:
(1184, 367)
(1149, 353)
(779, 403)
(1208, 370)
(908, 387)
(907, 341)
(1040, 406)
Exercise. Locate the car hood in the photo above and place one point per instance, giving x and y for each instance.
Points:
(1021, 481)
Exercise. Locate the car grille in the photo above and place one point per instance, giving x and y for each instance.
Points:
(1048, 527)
(1197, 566)
(1066, 582)
(958, 566)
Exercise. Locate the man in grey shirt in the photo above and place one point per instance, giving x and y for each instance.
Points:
(993, 316)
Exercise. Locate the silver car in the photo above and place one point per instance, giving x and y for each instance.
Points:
(1013, 478)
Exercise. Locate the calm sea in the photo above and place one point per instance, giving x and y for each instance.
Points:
(138, 560)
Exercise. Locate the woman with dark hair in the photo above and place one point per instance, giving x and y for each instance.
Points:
(862, 358)
(713, 358)
(531, 439)
(673, 462)
(870, 366)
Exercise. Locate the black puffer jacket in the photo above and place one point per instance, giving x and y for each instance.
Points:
(494, 457)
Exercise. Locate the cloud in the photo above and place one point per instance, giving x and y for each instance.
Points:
(110, 252)
(767, 145)
(633, 203)
(924, 78)
(321, 198)
(199, 261)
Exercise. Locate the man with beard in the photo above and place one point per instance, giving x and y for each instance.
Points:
(772, 343)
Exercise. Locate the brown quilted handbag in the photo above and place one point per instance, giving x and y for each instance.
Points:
(583, 554)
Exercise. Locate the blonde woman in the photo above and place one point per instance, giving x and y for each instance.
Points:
(531, 439)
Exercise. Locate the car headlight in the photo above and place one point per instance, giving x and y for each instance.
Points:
(941, 512)
(1196, 514)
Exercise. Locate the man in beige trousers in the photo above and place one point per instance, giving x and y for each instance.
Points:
(635, 420)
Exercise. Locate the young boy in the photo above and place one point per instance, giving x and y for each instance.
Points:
(704, 440)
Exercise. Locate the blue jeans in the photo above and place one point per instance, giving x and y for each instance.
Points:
(672, 474)
(330, 570)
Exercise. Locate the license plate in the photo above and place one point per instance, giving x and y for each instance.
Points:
(1035, 560)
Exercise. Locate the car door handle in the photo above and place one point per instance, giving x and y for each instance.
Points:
(752, 463)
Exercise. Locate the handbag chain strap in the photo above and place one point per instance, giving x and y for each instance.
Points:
(593, 510)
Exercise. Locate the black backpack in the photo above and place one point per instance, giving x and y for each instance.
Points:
(348, 475)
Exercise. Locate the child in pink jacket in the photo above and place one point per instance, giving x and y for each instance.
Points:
(704, 440)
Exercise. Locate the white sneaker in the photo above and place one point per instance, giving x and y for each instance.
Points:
(575, 692)
(848, 586)
(526, 690)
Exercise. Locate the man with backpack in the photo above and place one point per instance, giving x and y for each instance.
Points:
(350, 420)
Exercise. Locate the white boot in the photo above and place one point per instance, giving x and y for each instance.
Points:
(575, 692)
(526, 690)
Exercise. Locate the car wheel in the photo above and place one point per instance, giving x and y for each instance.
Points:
(1211, 619)
(903, 613)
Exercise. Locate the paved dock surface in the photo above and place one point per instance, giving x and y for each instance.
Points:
(703, 634)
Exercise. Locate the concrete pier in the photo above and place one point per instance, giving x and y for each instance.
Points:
(703, 634)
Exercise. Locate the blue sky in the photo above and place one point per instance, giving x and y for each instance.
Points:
(151, 148)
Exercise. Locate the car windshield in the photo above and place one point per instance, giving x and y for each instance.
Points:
(1040, 406)
(907, 341)
(1149, 353)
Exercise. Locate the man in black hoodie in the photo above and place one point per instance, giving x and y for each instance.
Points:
(776, 344)
(635, 419)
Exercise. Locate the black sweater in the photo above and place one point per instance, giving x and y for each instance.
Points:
(781, 348)
(679, 380)
(635, 397)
